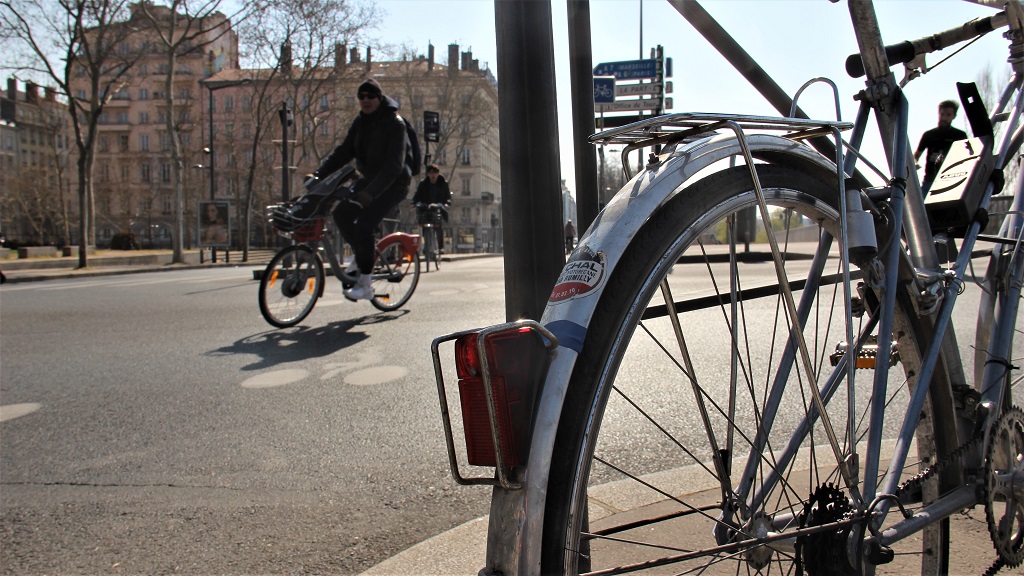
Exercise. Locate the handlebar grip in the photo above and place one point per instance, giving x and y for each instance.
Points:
(895, 54)
(906, 50)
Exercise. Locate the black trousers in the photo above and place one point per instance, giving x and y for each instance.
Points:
(359, 223)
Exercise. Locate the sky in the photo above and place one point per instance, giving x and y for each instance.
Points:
(793, 40)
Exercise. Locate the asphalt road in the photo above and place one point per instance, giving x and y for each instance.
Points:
(155, 424)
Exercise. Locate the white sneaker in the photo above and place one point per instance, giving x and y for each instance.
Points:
(361, 291)
(352, 268)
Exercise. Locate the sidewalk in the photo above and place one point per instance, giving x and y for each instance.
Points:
(463, 549)
(117, 262)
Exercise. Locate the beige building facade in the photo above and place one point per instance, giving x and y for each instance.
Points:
(133, 177)
(34, 165)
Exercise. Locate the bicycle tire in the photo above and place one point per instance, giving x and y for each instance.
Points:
(396, 272)
(430, 253)
(290, 286)
(623, 423)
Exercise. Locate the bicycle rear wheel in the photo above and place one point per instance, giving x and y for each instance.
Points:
(635, 483)
(290, 286)
(396, 272)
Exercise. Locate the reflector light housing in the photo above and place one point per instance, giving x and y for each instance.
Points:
(516, 361)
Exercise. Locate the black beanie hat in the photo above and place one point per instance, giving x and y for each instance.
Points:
(370, 85)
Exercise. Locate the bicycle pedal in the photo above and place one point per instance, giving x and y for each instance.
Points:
(867, 356)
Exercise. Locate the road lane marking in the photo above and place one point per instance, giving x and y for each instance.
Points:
(12, 411)
(376, 375)
(275, 378)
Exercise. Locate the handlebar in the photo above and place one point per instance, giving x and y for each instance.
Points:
(907, 50)
(434, 206)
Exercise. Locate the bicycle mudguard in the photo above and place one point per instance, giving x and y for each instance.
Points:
(410, 242)
(517, 516)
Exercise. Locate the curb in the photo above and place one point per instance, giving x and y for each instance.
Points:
(16, 276)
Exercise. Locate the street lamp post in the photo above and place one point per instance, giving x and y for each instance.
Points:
(212, 85)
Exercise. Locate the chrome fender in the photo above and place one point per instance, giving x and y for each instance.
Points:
(517, 516)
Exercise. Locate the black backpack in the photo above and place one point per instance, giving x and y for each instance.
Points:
(413, 155)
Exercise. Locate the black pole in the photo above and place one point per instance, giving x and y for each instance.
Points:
(213, 174)
(581, 65)
(530, 172)
(286, 120)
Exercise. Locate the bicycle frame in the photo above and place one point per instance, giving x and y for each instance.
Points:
(520, 493)
(325, 249)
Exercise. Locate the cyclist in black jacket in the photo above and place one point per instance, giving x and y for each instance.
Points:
(377, 141)
(433, 190)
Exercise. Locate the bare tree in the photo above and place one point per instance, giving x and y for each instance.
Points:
(81, 41)
(180, 28)
(294, 46)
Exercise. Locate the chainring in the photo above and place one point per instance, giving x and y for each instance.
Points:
(1004, 461)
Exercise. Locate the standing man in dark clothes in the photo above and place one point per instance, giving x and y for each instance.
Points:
(377, 141)
(937, 142)
(432, 190)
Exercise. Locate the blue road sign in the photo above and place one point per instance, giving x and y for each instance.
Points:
(628, 69)
(604, 90)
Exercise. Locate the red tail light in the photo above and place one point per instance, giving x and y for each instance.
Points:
(516, 362)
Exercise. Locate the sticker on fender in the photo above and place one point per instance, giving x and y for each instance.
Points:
(581, 274)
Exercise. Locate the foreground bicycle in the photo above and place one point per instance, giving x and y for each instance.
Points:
(685, 408)
(294, 278)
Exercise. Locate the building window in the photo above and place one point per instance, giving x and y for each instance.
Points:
(165, 172)
(143, 117)
(122, 142)
(229, 103)
(466, 185)
(324, 103)
(144, 142)
(323, 129)
(165, 142)
(125, 172)
(103, 144)
(246, 103)
(144, 173)
(466, 157)
(143, 94)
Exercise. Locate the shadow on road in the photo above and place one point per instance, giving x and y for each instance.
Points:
(286, 345)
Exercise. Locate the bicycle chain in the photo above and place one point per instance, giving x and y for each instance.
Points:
(994, 568)
(920, 478)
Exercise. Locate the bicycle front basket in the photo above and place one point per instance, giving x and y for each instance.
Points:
(311, 231)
